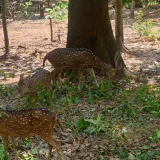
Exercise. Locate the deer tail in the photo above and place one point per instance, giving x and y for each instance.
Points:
(44, 59)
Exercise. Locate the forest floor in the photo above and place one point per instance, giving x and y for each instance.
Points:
(111, 123)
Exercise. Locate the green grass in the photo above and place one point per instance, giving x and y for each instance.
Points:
(124, 115)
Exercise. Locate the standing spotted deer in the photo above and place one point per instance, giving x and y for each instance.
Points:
(29, 122)
(78, 58)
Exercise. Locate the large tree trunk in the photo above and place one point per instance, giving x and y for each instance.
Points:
(89, 26)
(6, 39)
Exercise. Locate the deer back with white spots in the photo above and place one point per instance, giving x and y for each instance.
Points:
(26, 123)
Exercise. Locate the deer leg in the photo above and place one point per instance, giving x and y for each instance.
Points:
(51, 141)
(53, 75)
(50, 151)
(91, 71)
(59, 71)
(81, 71)
(49, 94)
(5, 143)
(14, 146)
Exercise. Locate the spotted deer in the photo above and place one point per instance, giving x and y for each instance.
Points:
(78, 58)
(32, 84)
(27, 123)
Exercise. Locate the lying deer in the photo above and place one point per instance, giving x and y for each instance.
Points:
(29, 122)
(31, 85)
(78, 58)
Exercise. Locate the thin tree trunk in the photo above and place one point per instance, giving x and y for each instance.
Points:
(119, 26)
(132, 8)
(51, 28)
(6, 39)
(41, 9)
(119, 23)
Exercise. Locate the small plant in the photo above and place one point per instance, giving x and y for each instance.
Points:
(25, 8)
(6, 90)
(145, 27)
(95, 125)
(58, 12)
(150, 3)
(1, 152)
(25, 142)
(155, 136)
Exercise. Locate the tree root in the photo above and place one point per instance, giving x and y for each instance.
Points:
(124, 49)
(123, 71)
(129, 74)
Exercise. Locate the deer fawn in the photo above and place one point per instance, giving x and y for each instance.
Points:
(29, 122)
(38, 81)
(78, 58)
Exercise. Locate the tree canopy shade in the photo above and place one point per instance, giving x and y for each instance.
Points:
(89, 26)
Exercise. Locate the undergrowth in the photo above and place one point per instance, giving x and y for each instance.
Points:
(117, 112)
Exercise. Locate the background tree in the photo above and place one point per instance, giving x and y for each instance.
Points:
(119, 26)
(89, 26)
(42, 9)
(6, 39)
(119, 23)
(132, 8)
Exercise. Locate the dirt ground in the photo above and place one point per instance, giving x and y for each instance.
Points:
(30, 41)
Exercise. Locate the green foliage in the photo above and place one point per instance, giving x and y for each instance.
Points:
(25, 142)
(1, 152)
(58, 12)
(150, 3)
(156, 136)
(112, 112)
(95, 125)
(142, 154)
(127, 3)
(6, 90)
(145, 27)
(29, 157)
(6, 75)
(25, 8)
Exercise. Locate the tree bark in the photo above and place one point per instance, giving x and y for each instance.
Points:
(89, 27)
(119, 23)
(50, 20)
(51, 29)
(41, 9)
(132, 8)
(6, 39)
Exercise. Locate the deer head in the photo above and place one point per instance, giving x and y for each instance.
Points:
(22, 86)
